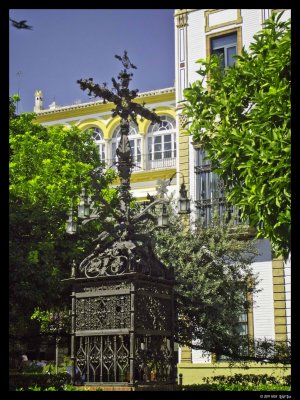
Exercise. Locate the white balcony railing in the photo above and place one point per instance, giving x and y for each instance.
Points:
(146, 162)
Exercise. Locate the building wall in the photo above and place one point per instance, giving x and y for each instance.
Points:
(271, 309)
(194, 373)
(201, 357)
(201, 23)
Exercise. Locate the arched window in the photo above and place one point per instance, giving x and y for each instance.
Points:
(134, 140)
(99, 140)
(162, 143)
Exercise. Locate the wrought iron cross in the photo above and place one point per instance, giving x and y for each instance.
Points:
(127, 110)
(120, 95)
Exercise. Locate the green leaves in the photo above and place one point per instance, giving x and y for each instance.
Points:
(212, 280)
(52, 321)
(249, 143)
(50, 165)
(47, 169)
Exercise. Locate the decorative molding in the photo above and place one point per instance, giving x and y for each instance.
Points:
(277, 10)
(100, 102)
(152, 175)
(181, 16)
(181, 105)
(181, 19)
(183, 119)
(157, 92)
(209, 27)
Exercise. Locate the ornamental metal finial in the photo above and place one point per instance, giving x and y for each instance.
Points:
(120, 95)
(125, 61)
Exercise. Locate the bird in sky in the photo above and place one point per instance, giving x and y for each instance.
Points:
(20, 24)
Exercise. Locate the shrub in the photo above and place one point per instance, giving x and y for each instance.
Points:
(37, 388)
(204, 387)
(33, 367)
(26, 380)
(248, 379)
(66, 388)
(239, 382)
(69, 388)
(287, 380)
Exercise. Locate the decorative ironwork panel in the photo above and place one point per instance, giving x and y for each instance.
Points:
(155, 289)
(154, 359)
(99, 313)
(103, 358)
(153, 313)
(107, 286)
(122, 257)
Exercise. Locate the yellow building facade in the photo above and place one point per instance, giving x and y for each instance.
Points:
(154, 147)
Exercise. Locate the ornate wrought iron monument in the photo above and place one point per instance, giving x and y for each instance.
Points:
(122, 301)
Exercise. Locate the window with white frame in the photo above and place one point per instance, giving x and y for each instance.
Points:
(161, 140)
(98, 137)
(134, 140)
(225, 46)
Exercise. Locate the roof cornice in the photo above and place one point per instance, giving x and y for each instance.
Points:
(99, 102)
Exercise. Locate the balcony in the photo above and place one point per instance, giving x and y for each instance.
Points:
(149, 162)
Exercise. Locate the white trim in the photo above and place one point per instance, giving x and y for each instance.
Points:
(99, 102)
(182, 46)
(99, 116)
(182, 83)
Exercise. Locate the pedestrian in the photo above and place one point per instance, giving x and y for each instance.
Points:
(24, 363)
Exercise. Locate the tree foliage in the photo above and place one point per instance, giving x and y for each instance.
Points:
(213, 281)
(214, 287)
(48, 166)
(241, 117)
(52, 321)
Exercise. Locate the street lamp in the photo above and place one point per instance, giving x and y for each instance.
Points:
(183, 201)
(163, 217)
(84, 209)
(84, 205)
(71, 225)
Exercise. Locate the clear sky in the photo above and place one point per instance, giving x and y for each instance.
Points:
(68, 44)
